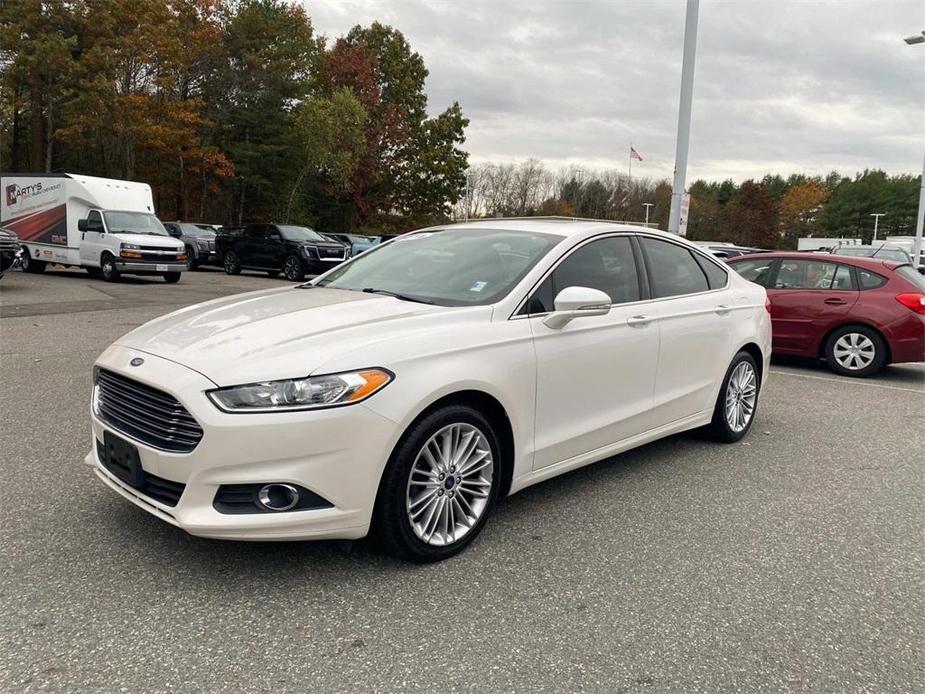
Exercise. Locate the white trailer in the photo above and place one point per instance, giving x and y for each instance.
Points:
(103, 225)
(815, 243)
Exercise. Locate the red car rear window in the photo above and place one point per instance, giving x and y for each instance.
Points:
(910, 274)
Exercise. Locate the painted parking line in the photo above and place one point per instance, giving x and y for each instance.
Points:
(847, 380)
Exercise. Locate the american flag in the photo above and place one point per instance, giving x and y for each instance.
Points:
(634, 154)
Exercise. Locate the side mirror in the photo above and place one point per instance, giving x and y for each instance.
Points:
(577, 302)
(176, 233)
(82, 225)
(87, 225)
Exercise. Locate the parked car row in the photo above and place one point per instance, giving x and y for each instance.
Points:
(9, 250)
(857, 313)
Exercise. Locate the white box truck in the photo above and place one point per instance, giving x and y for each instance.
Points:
(103, 225)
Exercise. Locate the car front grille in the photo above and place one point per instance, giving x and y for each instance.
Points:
(331, 253)
(146, 414)
(157, 488)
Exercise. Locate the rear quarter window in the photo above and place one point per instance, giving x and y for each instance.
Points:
(870, 280)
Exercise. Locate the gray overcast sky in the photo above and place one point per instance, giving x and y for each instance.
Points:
(779, 86)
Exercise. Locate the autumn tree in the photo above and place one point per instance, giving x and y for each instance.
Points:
(800, 207)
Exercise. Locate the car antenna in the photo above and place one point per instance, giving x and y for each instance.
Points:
(878, 250)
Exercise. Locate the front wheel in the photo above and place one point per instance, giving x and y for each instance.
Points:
(108, 268)
(293, 269)
(191, 262)
(439, 486)
(232, 264)
(737, 400)
(855, 350)
(171, 277)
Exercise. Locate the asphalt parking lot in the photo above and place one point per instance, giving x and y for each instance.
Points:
(791, 561)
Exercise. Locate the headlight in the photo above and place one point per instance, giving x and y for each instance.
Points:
(130, 247)
(310, 251)
(312, 392)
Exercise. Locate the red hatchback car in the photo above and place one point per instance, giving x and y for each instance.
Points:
(859, 314)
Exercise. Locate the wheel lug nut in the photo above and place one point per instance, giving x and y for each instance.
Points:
(452, 469)
(441, 476)
(439, 492)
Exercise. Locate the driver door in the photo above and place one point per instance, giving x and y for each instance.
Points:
(596, 375)
(92, 243)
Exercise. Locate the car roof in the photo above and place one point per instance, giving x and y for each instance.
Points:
(560, 226)
(857, 261)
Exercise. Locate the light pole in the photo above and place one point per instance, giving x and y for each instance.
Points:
(920, 217)
(877, 216)
(684, 115)
(466, 204)
(647, 205)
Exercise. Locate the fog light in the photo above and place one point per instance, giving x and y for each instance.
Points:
(278, 497)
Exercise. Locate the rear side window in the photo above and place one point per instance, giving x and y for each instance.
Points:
(870, 280)
(805, 274)
(910, 274)
(672, 269)
(716, 275)
(757, 271)
(842, 280)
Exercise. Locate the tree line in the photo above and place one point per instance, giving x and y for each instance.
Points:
(233, 110)
(772, 212)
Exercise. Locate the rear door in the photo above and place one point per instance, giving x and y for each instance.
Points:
(252, 245)
(694, 311)
(274, 247)
(808, 298)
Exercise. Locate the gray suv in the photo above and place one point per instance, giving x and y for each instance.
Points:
(199, 240)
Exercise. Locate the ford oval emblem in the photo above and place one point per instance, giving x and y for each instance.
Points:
(137, 361)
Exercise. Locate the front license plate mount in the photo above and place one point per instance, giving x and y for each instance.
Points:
(122, 459)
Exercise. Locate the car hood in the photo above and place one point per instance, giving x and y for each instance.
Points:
(277, 333)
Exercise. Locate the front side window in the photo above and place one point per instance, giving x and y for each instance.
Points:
(607, 264)
(672, 268)
(458, 267)
(805, 274)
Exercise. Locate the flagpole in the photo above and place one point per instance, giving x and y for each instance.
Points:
(630, 184)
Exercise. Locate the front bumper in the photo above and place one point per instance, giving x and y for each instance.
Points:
(134, 267)
(338, 454)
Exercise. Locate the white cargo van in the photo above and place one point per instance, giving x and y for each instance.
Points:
(103, 225)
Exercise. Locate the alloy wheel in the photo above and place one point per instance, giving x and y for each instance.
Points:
(854, 351)
(292, 268)
(741, 395)
(450, 484)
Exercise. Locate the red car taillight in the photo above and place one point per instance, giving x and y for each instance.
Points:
(913, 302)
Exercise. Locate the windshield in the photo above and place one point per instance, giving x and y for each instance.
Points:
(299, 233)
(134, 223)
(197, 230)
(465, 267)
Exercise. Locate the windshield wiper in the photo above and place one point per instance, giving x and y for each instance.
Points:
(397, 295)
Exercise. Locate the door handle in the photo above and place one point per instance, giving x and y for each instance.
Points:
(835, 302)
(639, 321)
(722, 309)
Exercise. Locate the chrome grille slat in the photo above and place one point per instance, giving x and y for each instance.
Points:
(146, 414)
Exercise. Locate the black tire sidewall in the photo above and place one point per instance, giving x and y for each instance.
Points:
(172, 277)
(719, 426)
(113, 276)
(879, 351)
(300, 275)
(390, 518)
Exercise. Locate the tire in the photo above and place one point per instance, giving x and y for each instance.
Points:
(93, 271)
(191, 262)
(737, 401)
(416, 533)
(30, 264)
(231, 263)
(172, 277)
(108, 268)
(293, 269)
(855, 350)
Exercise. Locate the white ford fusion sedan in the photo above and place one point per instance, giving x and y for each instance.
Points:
(405, 391)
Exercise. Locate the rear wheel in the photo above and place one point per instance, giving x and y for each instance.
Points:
(232, 264)
(172, 277)
(293, 268)
(108, 268)
(439, 486)
(30, 264)
(737, 400)
(855, 350)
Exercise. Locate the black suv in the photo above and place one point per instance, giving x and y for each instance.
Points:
(275, 248)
